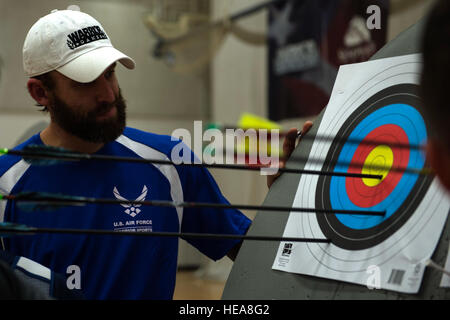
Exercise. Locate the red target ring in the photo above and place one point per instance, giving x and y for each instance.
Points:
(373, 156)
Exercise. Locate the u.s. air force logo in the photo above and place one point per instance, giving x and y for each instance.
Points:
(131, 209)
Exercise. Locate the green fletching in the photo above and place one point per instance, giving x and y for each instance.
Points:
(4, 150)
(42, 201)
(12, 225)
(8, 229)
(44, 148)
(213, 125)
(41, 155)
(38, 206)
(34, 195)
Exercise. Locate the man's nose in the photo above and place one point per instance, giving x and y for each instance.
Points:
(104, 90)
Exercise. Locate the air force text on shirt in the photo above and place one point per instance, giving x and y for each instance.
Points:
(236, 146)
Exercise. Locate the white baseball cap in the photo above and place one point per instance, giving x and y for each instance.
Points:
(72, 43)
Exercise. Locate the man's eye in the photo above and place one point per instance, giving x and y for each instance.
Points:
(109, 73)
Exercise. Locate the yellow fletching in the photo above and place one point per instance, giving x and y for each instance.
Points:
(249, 120)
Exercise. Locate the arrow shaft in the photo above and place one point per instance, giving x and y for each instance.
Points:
(35, 198)
(326, 138)
(355, 164)
(33, 231)
(83, 156)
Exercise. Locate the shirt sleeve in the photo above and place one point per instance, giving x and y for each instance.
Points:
(200, 186)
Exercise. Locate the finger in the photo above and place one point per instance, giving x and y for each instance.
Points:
(289, 143)
(306, 126)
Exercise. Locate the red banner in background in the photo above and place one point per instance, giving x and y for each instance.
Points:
(309, 40)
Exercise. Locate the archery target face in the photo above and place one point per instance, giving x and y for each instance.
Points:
(374, 111)
(385, 124)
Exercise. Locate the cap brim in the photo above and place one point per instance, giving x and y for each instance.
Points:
(89, 66)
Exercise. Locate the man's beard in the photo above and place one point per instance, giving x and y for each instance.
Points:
(86, 126)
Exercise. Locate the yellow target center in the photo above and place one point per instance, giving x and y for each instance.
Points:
(378, 162)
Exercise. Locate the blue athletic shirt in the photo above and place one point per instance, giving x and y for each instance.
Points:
(118, 267)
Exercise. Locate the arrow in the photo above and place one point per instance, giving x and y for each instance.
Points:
(12, 229)
(33, 201)
(45, 155)
(343, 164)
(257, 123)
(322, 138)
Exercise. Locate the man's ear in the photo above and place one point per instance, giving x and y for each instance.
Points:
(439, 159)
(38, 91)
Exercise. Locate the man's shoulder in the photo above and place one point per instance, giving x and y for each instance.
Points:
(159, 142)
(7, 161)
